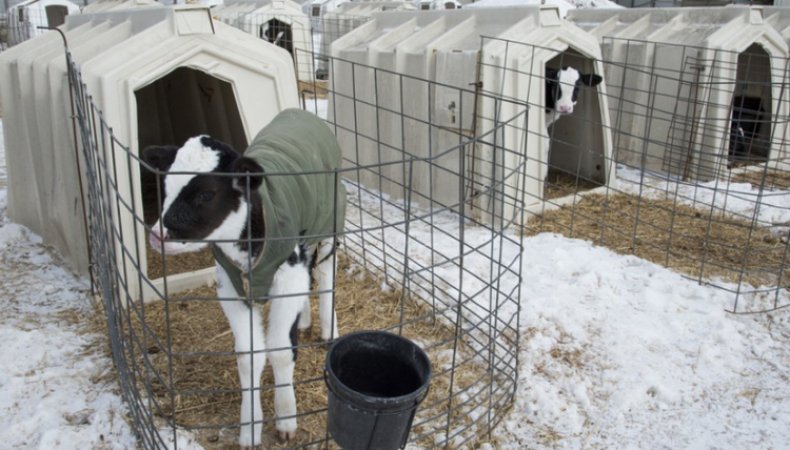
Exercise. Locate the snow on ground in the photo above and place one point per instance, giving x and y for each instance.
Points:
(770, 208)
(616, 352)
(619, 352)
(54, 388)
(622, 353)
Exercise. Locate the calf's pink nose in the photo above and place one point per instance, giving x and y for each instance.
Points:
(155, 239)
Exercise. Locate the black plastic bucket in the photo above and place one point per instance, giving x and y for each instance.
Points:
(375, 380)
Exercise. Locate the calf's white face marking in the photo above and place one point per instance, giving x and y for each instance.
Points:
(568, 79)
(192, 157)
(197, 205)
(562, 90)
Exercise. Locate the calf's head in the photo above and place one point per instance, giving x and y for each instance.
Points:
(199, 204)
(562, 88)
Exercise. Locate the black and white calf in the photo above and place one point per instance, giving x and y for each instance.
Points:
(748, 116)
(562, 90)
(200, 207)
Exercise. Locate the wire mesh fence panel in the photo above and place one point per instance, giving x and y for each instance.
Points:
(569, 152)
(420, 255)
(724, 134)
(325, 31)
(285, 30)
(298, 34)
(694, 148)
(677, 157)
(417, 218)
(3, 32)
(26, 21)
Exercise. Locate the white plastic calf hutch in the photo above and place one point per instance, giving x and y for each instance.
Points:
(283, 23)
(446, 4)
(445, 47)
(105, 6)
(159, 76)
(344, 18)
(779, 18)
(232, 12)
(24, 19)
(680, 77)
(43, 191)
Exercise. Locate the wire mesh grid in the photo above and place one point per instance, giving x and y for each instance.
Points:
(22, 23)
(287, 30)
(429, 261)
(672, 160)
(311, 37)
(678, 158)
(404, 154)
(3, 31)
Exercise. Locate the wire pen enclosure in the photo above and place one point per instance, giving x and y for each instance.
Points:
(574, 154)
(708, 112)
(696, 87)
(504, 53)
(701, 174)
(448, 162)
(692, 111)
(430, 270)
(284, 24)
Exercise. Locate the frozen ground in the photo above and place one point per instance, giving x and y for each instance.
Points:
(55, 392)
(617, 353)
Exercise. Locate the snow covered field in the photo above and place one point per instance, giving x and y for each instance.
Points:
(617, 352)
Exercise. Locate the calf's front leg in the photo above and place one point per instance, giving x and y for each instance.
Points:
(247, 326)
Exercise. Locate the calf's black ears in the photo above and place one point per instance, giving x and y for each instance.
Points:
(160, 157)
(591, 79)
(249, 169)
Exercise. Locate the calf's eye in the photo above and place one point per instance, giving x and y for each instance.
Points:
(205, 196)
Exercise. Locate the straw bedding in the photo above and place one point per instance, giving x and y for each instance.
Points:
(769, 179)
(202, 370)
(186, 262)
(205, 379)
(313, 89)
(559, 184)
(690, 241)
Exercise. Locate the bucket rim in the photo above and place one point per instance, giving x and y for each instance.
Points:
(418, 395)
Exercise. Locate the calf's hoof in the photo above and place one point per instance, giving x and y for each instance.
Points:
(286, 436)
(286, 429)
(246, 441)
(325, 336)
